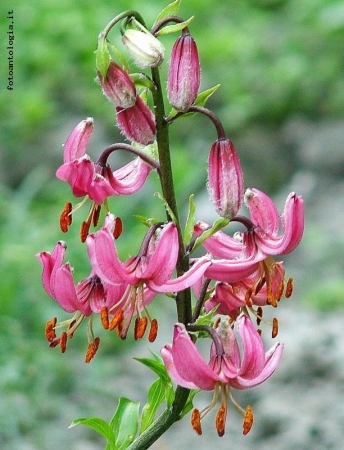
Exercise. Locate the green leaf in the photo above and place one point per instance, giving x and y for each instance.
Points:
(202, 97)
(217, 225)
(189, 404)
(102, 56)
(174, 28)
(201, 100)
(125, 422)
(146, 221)
(190, 221)
(170, 10)
(141, 80)
(156, 365)
(97, 424)
(118, 55)
(167, 206)
(156, 395)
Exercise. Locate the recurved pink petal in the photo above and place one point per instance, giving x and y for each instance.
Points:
(129, 178)
(104, 258)
(293, 227)
(253, 354)
(163, 260)
(220, 244)
(189, 363)
(64, 290)
(76, 143)
(184, 281)
(51, 262)
(166, 353)
(273, 357)
(263, 211)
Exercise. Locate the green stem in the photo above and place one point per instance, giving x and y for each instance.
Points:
(163, 422)
(183, 298)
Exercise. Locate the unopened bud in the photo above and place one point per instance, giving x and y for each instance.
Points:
(118, 86)
(137, 123)
(146, 50)
(225, 178)
(184, 74)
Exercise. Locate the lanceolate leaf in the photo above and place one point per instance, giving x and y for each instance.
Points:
(170, 10)
(190, 221)
(156, 395)
(124, 423)
(174, 28)
(157, 366)
(97, 424)
(102, 56)
(202, 97)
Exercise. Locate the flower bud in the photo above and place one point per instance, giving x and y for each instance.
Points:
(225, 178)
(146, 50)
(118, 87)
(184, 74)
(137, 123)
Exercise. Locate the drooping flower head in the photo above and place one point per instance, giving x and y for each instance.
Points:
(94, 180)
(87, 297)
(146, 273)
(227, 368)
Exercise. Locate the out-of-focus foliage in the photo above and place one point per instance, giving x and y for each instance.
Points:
(279, 62)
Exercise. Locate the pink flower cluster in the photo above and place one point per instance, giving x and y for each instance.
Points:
(235, 277)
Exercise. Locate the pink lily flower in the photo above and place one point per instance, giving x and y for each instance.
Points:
(149, 271)
(88, 178)
(236, 260)
(91, 295)
(263, 287)
(226, 369)
(266, 222)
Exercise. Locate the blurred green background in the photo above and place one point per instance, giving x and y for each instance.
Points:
(280, 66)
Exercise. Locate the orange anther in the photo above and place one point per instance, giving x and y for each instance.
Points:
(104, 317)
(289, 288)
(66, 217)
(84, 229)
(95, 214)
(92, 350)
(196, 421)
(118, 228)
(117, 320)
(274, 332)
(220, 420)
(50, 329)
(153, 332)
(63, 341)
(140, 327)
(248, 420)
(259, 315)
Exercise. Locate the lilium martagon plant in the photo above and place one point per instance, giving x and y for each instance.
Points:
(219, 293)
